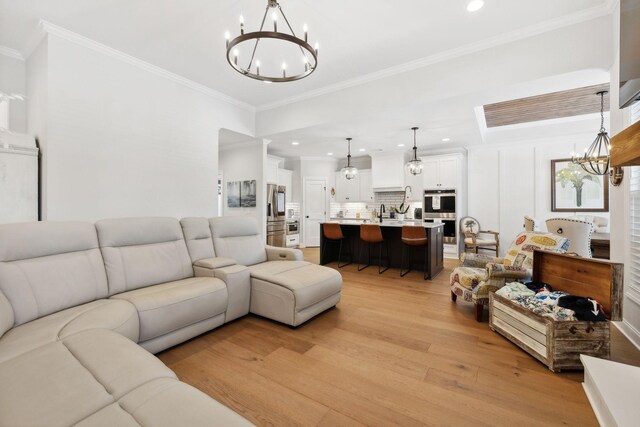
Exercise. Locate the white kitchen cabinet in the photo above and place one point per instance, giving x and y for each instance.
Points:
(387, 171)
(285, 178)
(366, 188)
(271, 171)
(416, 182)
(441, 172)
(347, 190)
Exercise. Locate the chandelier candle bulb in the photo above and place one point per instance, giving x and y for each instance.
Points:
(274, 16)
(227, 37)
(305, 29)
(258, 67)
(241, 24)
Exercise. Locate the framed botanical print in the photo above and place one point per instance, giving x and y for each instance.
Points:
(575, 190)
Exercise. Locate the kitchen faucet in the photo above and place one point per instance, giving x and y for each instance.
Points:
(382, 209)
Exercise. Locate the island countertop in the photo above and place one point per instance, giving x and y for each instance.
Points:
(385, 223)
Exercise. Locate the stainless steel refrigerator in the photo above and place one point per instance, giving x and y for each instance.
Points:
(276, 208)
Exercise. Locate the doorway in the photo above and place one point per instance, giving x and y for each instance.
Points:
(314, 209)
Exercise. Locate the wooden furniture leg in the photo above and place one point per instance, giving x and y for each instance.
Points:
(454, 297)
(479, 312)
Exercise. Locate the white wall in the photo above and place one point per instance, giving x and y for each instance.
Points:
(124, 140)
(13, 80)
(243, 162)
(507, 182)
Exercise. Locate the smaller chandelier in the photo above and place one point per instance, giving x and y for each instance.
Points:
(349, 172)
(252, 68)
(595, 160)
(414, 166)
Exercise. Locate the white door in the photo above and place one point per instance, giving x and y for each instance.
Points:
(448, 173)
(315, 190)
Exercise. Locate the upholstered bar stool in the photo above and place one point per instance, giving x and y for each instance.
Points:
(371, 234)
(413, 237)
(333, 233)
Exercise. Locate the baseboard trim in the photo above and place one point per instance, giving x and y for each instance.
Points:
(629, 331)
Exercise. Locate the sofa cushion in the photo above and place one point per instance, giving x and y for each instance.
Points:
(309, 283)
(170, 306)
(197, 235)
(62, 383)
(140, 252)
(46, 267)
(238, 238)
(116, 315)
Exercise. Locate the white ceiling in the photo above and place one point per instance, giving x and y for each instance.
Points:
(357, 37)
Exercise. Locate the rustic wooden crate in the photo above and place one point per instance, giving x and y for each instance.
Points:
(559, 344)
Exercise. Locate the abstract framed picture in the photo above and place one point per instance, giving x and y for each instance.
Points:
(575, 190)
(248, 194)
(233, 194)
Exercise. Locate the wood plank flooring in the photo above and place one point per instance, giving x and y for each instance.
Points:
(395, 351)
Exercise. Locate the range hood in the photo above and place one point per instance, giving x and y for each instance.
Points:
(387, 171)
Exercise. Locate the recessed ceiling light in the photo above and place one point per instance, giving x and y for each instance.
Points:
(295, 143)
(475, 5)
(446, 139)
(329, 154)
(362, 149)
(400, 145)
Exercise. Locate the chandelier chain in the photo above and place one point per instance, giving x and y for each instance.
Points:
(255, 46)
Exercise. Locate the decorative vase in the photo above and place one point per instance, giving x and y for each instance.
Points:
(400, 217)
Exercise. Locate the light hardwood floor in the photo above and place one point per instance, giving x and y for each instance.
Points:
(395, 351)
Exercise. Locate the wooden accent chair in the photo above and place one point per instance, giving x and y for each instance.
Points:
(470, 228)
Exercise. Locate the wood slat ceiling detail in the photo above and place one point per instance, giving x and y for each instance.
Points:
(567, 103)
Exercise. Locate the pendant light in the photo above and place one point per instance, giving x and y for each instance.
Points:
(597, 159)
(414, 166)
(349, 172)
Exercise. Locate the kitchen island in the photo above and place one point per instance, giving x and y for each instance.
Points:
(392, 234)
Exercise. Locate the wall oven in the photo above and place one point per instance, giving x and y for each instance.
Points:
(439, 204)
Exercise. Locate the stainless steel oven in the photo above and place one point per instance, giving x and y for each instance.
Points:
(439, 204)
(293, 227)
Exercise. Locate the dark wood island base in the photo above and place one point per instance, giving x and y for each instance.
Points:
(392, 233)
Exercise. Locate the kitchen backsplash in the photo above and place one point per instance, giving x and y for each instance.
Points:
(389, 199)
(296, 210)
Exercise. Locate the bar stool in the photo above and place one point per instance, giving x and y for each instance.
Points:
(412, 237)
(333, 233)
(371, 234)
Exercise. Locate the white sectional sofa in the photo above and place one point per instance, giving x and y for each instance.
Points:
(76, 299)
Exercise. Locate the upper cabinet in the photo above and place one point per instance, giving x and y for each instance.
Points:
(387, 171)
(417, 186)
(271, 170)
(366, 189)
(442, 172)
(285, 178)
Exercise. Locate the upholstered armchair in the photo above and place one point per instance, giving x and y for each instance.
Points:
(479, 275)
(475, 238)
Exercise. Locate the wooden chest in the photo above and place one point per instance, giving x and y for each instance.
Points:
(559, 344)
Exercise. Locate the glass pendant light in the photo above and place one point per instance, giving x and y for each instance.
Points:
(349, 172)
(414, 166)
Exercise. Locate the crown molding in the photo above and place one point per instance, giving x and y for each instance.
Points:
(11, 53)
(604, 9)
(47, 28)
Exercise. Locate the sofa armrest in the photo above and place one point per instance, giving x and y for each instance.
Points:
(478, 260)
(501, 271)
(216, 262)
(283, 254)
